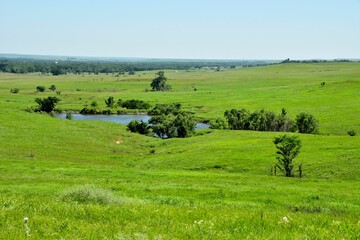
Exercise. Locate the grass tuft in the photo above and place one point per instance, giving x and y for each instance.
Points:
(88, 194)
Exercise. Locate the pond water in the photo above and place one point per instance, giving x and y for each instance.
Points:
(122, 119)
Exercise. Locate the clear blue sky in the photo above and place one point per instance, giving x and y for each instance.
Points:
(205, 29)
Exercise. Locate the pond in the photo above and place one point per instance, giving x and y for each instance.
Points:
(122, 119)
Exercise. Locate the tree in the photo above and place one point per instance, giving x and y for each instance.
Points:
(184, 124)
(306, 123)
(110, 102)
(288, 147)
(238, 119)
(52, 87)
(47, 104)
(159, 83)
(139, 127)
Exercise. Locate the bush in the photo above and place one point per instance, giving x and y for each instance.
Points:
(351, 133)
(47, 104)
(69, 116)
(134, 104)
(110, 102)
(165, 109)
(88, 194)
(14, 90)
(86, 110)
(218, 123)
(138, 127)
(40, 89)
(306, 123)
(52, 87)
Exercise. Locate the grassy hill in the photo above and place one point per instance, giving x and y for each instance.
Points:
(95, 180)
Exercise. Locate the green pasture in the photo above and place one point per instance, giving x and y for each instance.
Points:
(214, 185)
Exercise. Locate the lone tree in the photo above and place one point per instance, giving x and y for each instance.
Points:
(159, 83)
(110, 102)
(288, 147)
(47, 104)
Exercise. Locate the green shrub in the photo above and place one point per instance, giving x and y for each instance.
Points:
(52, 87)
(47, 104)
(69, 116)
(351, 133)
(306, 123)
(134, 104)
(138, 127)
(14, 90)
(218, 123)
(110, 102)
(88, 194)
(165, 109)
(40, 89)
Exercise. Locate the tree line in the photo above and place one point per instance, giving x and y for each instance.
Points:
(269, 121)
(59, 67)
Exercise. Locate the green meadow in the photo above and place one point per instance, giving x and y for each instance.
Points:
(96, 180)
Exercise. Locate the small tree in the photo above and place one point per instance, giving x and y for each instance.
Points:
(159, 83)
(47, 104)
(306, 123)
(288, 147)
(52, 87)
(139, 127)
(110, 102)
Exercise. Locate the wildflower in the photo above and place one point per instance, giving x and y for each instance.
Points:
(284, 220)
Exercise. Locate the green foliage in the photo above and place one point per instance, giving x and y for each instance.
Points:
(138, 127)
(52, 87)
(40, 88)
(184, 124)
(47, 104)
(259, 121)
(69, 116)
(159, 83)
(169, 126)
(288, 147)
(15, 90)
(165, 109)
(87, 194)
(94, 104)
(135, 104)
(218, 123)
(110, 102)
(57, 70)
(306, 123)
(351, 133)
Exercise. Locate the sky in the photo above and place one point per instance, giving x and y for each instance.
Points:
(185, 29)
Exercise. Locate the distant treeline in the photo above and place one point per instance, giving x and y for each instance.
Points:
(78, 67)
(314, 61)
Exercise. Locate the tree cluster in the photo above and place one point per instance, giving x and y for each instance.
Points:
(60, 67)
(169, 122)
(269, 121)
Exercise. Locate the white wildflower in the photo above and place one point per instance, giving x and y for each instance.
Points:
(284, 220)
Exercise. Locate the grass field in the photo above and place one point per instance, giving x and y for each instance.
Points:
(95, 180)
